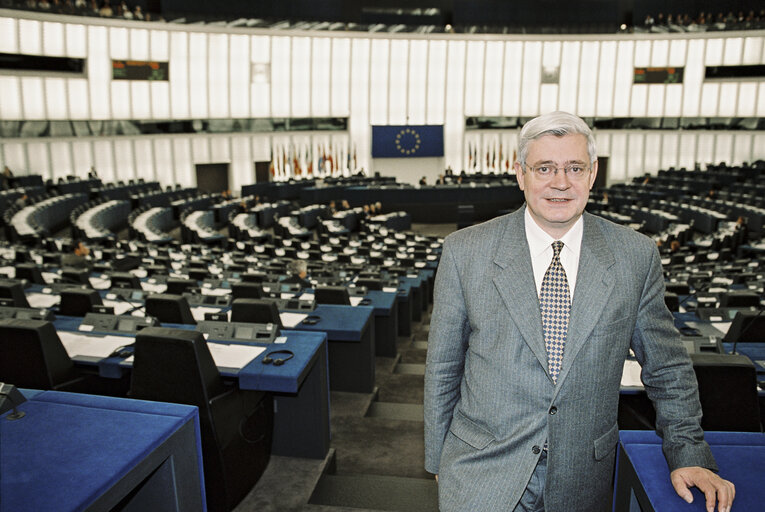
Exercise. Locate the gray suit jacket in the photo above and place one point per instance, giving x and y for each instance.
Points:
(490, 403)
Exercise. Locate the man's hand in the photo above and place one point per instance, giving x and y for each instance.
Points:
(436, 478)
(713, 487)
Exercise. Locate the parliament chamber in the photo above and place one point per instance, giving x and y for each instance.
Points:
(206, 214)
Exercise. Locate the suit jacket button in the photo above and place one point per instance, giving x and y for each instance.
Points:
(553, 409)
(535, 450)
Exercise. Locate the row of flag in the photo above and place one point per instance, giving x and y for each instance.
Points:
(490, 155)
(291, 159)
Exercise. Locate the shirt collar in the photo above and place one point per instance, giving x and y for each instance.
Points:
(539, 241)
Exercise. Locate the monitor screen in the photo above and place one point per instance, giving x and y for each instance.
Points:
(244, 332)
(126, 324)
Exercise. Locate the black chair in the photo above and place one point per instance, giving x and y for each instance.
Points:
(332, 295)
(169, 309)
(175, 365)
(728, 392)
(125, 280)
(747, 327)
(29, 271)
(257, 311)
(370, 284)
(178, 286)
(246, 291)
(740, 299)
(75, 276)
(672, 301)
(13, 291)
(78, 301)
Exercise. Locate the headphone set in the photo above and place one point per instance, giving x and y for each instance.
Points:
(278, 361)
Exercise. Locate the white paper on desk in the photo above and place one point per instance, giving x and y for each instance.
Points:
(199, 312)
(140, 273)
(306, 296)
(723, 327)
(120, 307)
(631, 374)
(419, 264)
(50, 277)
(42, 300)
(100, 283)
(153, 287)
(390, 289)
(215, 291)
(77, 344)
(355, 301)
(233, 356)
(286, 295)
(11, 271)
(291, 320)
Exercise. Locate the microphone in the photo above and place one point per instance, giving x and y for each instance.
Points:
(14, 397)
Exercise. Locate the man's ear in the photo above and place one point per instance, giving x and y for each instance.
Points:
(519, 176)
(593, 173)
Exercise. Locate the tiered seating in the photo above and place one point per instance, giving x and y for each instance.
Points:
(45, 217)
(100, 221)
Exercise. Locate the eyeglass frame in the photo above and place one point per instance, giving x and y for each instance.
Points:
(566, 170)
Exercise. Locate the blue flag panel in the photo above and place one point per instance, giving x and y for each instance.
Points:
(407, 141)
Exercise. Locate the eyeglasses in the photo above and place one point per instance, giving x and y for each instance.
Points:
(573, 171)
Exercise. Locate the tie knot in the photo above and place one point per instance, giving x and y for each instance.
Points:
(557, 246)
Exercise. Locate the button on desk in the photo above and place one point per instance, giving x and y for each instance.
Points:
(83, 452)
(642, 475)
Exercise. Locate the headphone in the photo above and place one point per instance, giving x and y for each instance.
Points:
(279, 360)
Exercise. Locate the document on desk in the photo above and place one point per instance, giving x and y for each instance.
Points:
(390, 289)
(723, 327)
(355, 301)
(77, 344)
(42, 300)
(291, 320)
(233, 356)
(120, 307)
(215, 291)
(153, 287)
(198, 312)
(100, 283)
(631, 374)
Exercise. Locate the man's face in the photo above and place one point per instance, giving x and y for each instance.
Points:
(555, 203)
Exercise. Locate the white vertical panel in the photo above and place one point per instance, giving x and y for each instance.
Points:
(753, 50)
(200, 150)
(159, 44)
(606, 78)
(99, 72)
(53, 38)
(358, 123)
(281, 51)
(123, 155)
(320, 76)
(693, 77)
(710, 96)
(655, 101)
(218, 76)
(758, 147)
(198, 75)
(82, 155)
(15, 157)
(634, 155)
(398, 90)
(39, 163)
(474, 78)
(55, 98)
(742, 148)
(686, 157)
(242, 169)
(260, 102)
(436, 81)
(104, 160)
(300, 73)
(179, 75)
(144, 158)
(30, 41)
(660, 53)
(121, 99)
(669, 146)
(724, 147)
(624, 76)
(677, 51)
(182, 163)
(140, 93)
(588, 78)
(761, 100)
(673, 101)
(9, 42)
(728, 99)
(492, 81)
(705, 148)
(653, 143)
(714, 52)
(61, 160)
(341, 61)
(747, 99)
(34, 97)
(617, 162)
(10, 98)
(548, 93)
(511, 79)
(639, 100)
(378, 99)
(220, 150)
(139, 44)
(532, 75)
(76, 40)
(454, 127)
(163, 160)
(239, 76)
(418, 80)
(734, 48)
(569, 76)
(118, 43)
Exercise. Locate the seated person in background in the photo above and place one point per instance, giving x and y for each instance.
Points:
(78, 258)
(6, 177)
(344, 205)
(298, 273)
(423, 181)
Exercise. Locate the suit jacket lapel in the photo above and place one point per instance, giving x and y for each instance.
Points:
(515, 284)
(594, 283)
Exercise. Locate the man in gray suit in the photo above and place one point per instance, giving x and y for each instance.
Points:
(534, 315)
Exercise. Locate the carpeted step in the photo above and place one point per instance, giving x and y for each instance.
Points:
(374, 492)
(395, 411)
(410, 369)
(422, 345)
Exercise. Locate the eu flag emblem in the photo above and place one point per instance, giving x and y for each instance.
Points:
(407, 141)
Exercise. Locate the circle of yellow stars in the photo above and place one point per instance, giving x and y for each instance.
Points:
(408, 141)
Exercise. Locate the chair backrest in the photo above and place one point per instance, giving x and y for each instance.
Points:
(78, 301)
(75, 276)
(258, 311)
(178, 286)
(728, 392)
(169, 308)
(332, 295)
(370, 284)
(14, 291)
(29, 271)
(747, 326)
(124, 280)
(246, 291)
(740, 299)
(32, 356)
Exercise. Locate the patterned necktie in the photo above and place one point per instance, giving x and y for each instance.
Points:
(555, 305)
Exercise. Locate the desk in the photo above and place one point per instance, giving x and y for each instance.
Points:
(385, 305)
(83, 452)
(642, 475)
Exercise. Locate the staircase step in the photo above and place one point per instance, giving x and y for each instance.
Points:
(376, 492)
(410, 369)
(422, 345)
(395, 411)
